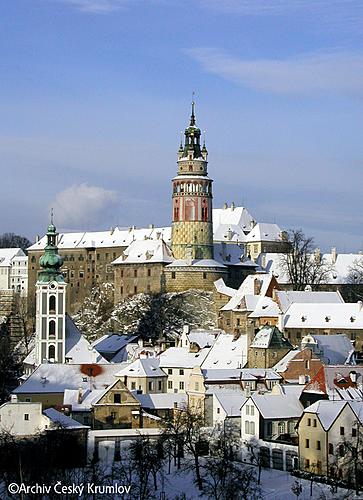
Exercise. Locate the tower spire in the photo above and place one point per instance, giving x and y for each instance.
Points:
(192, 116)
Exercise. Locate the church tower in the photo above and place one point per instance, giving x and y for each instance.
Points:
(192, 229)
(50, 304)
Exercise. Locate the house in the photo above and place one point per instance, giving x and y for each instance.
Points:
(113, 347)
(144, 375)
(268, 426)
(12, 268)
(298, 366)
(48, 382)
(331, 349)
(265, 238)
(331, 438)
(229, 351)
(334, 382)
(162, 405)
(268, 347)
(227, 409)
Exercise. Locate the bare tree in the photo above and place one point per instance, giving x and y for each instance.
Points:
(11, 240)
(185, 430)
(302, 264)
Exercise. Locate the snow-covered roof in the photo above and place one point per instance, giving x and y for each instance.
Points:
(251, 289)
(180, 357)
(118, 237)
(246, 374)
(7, 254)
(227, 352)
(81, 400)
(203, 338)
(277, 406)
(327, 411)
(281, 366)
(337, 382)
(231, 223)
(196, 263)
(265, 307)
(231, 402)
(162, 401)
(55, 378)
(269, 336)
(222, 288)
(113, 343)
(142, 367)
(287, 297)
(60, 420)
(331, 349)
(333, 316)
(145, 251)
(342, 265)
(78, 349)
(264, 232)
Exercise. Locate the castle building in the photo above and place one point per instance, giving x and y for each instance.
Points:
(202, 246)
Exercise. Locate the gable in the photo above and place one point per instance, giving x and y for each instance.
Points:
(117, 388)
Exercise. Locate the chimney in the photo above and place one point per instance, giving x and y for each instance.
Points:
(360, 305)
(333, 255)
(37, 238)
(233, 206)
(14, 398)
(353, 376)
(151, 226)
(225, 205)
(256, 286)
(140, 343)
(111, 230)
(79, 397)
(302, 380)
(280, 322)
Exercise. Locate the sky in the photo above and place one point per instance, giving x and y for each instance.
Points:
(94, 95)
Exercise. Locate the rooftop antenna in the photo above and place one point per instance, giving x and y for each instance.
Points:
(192, 118)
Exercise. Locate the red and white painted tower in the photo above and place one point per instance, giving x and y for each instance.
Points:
(192, 228)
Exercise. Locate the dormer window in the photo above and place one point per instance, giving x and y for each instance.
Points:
(327, 319)
(352, 319)
(303, 318)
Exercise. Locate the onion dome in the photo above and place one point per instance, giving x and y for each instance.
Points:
(51, 261)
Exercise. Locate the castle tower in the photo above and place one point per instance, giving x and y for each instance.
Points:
(192, 229)
(50, 304)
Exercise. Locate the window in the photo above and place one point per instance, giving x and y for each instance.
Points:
(81, 274)
(181, 386)
(247, 409)
(307, 463)
(51, 352)
(149, 272)
(173, 275)
(122, 273)
(151, 386)
(197, 386)
(98, 256)
(342, 431)
(122, 290)
(307, 364)
(247, 427)
(135, 273)
(113, 415)
(204, 276)
(331, 449)
(354, 432)
(117, 398)
(181, 371)
(170, 384)
(314, 422)
(307, 443)
(26, 416)
(341, 450)
(170, 371)
(218, 410)
(160, 385)
(309, 422)
(133, 386)
(52, 328)
(135, 289)
(318, 445)
(52, 304)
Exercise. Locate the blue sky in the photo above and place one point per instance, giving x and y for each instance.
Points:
(94, 94)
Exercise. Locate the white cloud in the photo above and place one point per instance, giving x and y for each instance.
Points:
(97, 6)
(304, 74)
(81, 205)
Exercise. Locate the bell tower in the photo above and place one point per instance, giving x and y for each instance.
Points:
(192, 229)
(50, 304)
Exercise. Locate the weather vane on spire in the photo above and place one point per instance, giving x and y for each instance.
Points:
(51, 215)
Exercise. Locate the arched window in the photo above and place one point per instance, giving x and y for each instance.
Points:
(52, 328)
(52, 304)
(51, 352)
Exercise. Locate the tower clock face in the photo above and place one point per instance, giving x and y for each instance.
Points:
(53, 285)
